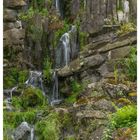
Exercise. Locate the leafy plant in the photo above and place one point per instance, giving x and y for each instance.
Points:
(123, 117)
(76, 89)
(47, 70)
(131, 65)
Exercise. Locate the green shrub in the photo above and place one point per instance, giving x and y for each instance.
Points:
(123, 117)
(76, 89)
(47, 70)
(16, 102)
(32, 97)
(48, 128)
(131, 65)
(14, 77)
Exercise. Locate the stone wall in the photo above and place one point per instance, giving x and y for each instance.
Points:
(14, 34)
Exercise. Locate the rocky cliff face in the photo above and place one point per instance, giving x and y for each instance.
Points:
(81, 55)
(14, 34)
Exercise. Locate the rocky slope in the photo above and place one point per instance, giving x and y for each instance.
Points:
(70, 70)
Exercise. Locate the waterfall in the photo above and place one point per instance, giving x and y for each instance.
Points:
(32, 133)
(55, 94)
(57, 5)
(35, 80)
(11, 91)
(74, 42)
(68, 48)
(126, 10)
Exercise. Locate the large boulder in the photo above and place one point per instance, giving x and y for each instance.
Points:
(81, 65)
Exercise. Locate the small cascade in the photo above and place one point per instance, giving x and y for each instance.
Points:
(74, 42)
(68, 48)
(32, 133)
(35, 80)
(8, 94)
(57, 5)
(55, 94)
(12, 90)
(8, 104)
(126, 10)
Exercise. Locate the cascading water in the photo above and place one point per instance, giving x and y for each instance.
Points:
(32, 133)
(8, 97)
(74, 42)
(35, 80)
(68, 48)
(57, 5)
(55, 94)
